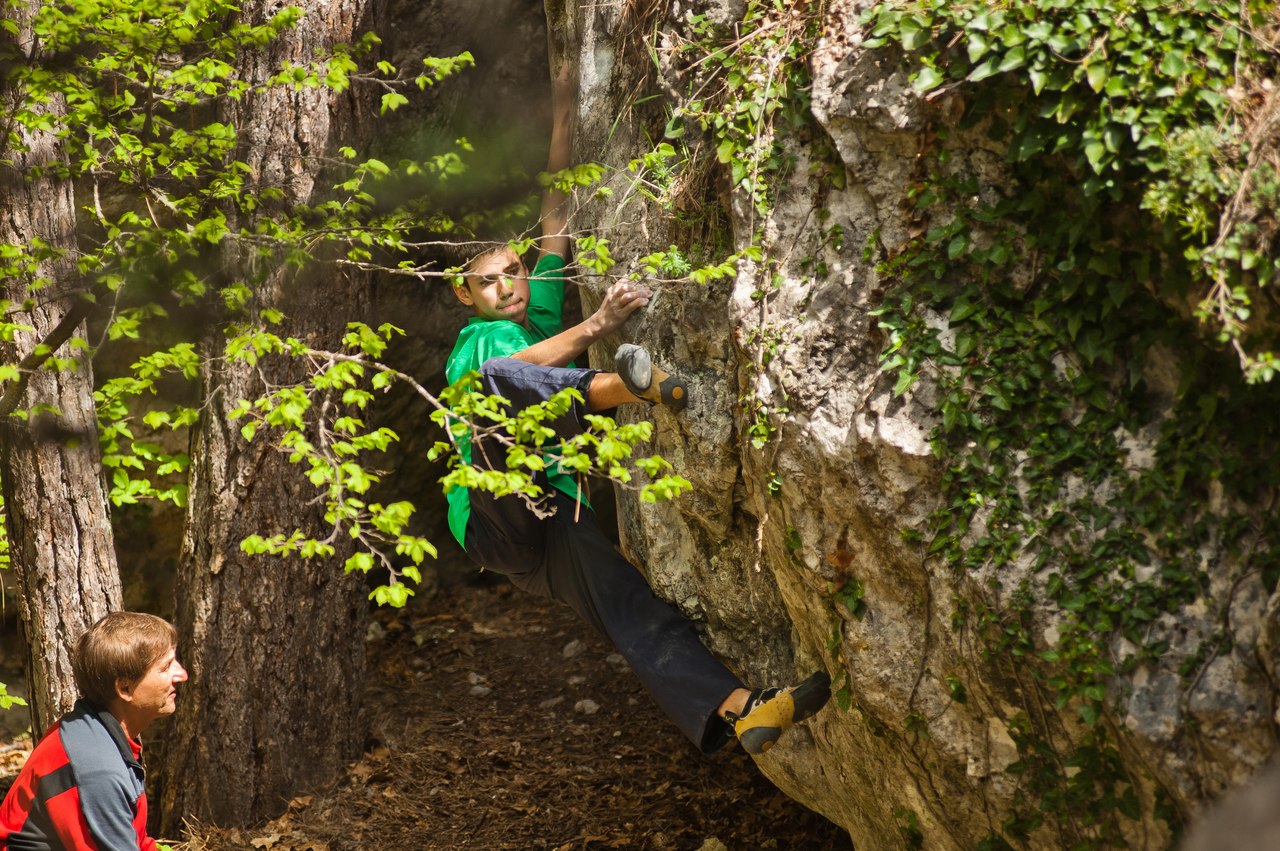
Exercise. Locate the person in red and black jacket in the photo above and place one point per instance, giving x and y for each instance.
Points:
(83, 788)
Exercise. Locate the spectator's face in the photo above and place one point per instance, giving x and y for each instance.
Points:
(156, 694)
(497, 287)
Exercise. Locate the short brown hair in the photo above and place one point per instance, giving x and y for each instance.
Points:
(469, 268)
(477, 259)
(120, 646)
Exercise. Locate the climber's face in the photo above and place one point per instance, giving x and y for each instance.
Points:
(497, 287)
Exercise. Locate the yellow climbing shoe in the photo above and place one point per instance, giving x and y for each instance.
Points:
(769, 712)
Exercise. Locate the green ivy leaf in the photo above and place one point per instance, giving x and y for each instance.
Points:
(1037, 77)
(1096, 74)
(977, 47)
(1096, 153)
(928, 79)
(1014, 59)
(1173, 64)
(985, 69)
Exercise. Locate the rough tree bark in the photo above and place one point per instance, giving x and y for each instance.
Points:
(275, 646)
(60, 538)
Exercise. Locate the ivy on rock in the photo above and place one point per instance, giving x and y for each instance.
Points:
(1125, 130)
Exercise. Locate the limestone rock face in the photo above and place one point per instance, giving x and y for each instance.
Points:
(772, 532)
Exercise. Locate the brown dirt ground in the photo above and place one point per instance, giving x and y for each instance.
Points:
(479, 739)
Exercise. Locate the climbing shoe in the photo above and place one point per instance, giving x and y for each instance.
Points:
(647, 381)
(770, 711)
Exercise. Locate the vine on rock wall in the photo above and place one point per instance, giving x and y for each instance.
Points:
(1125, 125)
(746, 90)
(1166, 103)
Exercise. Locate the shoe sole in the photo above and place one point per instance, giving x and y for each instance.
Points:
(765, 725)
(634, 368)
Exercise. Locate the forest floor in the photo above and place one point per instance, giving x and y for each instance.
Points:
(496, 720)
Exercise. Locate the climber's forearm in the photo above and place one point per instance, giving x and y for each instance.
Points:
(555, 203)
(621, 300)
(561, 349)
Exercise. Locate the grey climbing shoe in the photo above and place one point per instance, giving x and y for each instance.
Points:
(770, 712)
(647, 381)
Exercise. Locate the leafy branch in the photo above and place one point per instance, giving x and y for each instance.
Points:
(317, 422)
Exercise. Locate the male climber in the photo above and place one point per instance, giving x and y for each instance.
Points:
(516, 342)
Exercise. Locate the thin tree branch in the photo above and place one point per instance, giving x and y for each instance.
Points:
(79, 310)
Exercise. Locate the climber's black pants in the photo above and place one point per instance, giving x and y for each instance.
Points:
(566, 557)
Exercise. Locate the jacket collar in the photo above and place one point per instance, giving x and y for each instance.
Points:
(85, 708)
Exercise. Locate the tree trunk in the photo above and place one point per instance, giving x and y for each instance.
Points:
(55, 503)
(275, 645)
